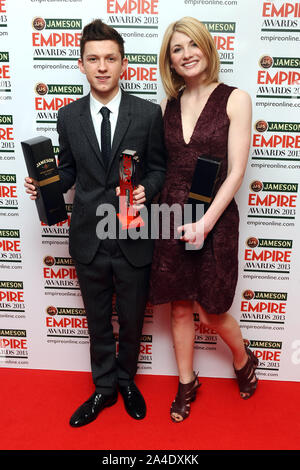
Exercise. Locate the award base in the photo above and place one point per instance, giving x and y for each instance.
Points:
(130, 221)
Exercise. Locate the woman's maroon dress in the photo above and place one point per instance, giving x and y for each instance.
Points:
(208, 275)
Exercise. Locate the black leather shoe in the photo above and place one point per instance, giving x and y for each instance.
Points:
(90, 409)
(133, 400)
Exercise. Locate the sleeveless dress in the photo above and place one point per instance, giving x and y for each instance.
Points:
(208, 275)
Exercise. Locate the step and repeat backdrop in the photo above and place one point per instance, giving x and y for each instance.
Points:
(42, 318)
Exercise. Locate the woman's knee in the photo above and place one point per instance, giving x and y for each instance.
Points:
(212, 320)
(182, 309)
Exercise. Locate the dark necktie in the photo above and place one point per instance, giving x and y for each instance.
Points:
(105, 135)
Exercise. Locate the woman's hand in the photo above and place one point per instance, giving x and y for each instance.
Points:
(193, 233)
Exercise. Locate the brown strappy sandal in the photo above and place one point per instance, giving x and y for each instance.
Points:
(246, 378)
(186, 394)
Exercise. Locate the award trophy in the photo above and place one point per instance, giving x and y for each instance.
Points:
(204, 181)
(41, 167)
(129, 176)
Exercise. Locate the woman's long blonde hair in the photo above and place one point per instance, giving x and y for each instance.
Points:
(196, 30)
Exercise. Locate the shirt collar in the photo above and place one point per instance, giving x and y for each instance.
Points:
(112, 105)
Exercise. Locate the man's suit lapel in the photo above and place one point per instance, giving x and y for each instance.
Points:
(123, 122)
(88, 127)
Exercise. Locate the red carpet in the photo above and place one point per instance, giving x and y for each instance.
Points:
(36, 407)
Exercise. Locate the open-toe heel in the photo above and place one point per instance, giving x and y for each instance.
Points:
(186, 394)
(246, 378)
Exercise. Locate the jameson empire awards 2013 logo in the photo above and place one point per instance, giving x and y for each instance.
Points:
(140, 77)
(268, 255)
(281, 16)
(279, 77)
(8, 194)
(272, 200)
(56, 39)
(276, 141)
(13, 346)
(66, 322)
(136, 14)
(223, 34)
(10, 248)
(59, 273)
(5, 75)
(51, 97)
(263, 307)
(12, 299)
(7, 144)
(268, 354)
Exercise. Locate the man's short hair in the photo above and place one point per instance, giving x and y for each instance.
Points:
(99, 31)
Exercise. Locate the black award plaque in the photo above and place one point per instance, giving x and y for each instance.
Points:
(42, 168)
(204, 182)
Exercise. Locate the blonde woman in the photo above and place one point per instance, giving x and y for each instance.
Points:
(202, 117)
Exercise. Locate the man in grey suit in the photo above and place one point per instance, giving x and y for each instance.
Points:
(106, 266)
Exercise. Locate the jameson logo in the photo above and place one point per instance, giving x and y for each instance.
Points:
(268, 354)
(268, 255)
(279, 62)
(51, 310)
(282, 83)
(51, 97)
(10, 247)
(63, 44)
(223, 35)
(13, 344)
(271, 126)
(66, 322)
(272, 200)
(12, 298)
(276, 140)
(8, 193)
(263, 307)
(142, 58)
(59, 273)
(203, 334)
(281, 16)
(4, 57)
(39, 23)
(43, 89)
(5, 74)
(7, 144)
(54, 233)
(137, 14)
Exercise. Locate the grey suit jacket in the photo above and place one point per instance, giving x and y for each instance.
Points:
(139, 127)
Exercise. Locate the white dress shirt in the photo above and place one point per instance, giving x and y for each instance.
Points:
(113, 106)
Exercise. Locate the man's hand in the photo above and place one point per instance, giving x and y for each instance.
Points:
(30, 188)
(139, 197)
